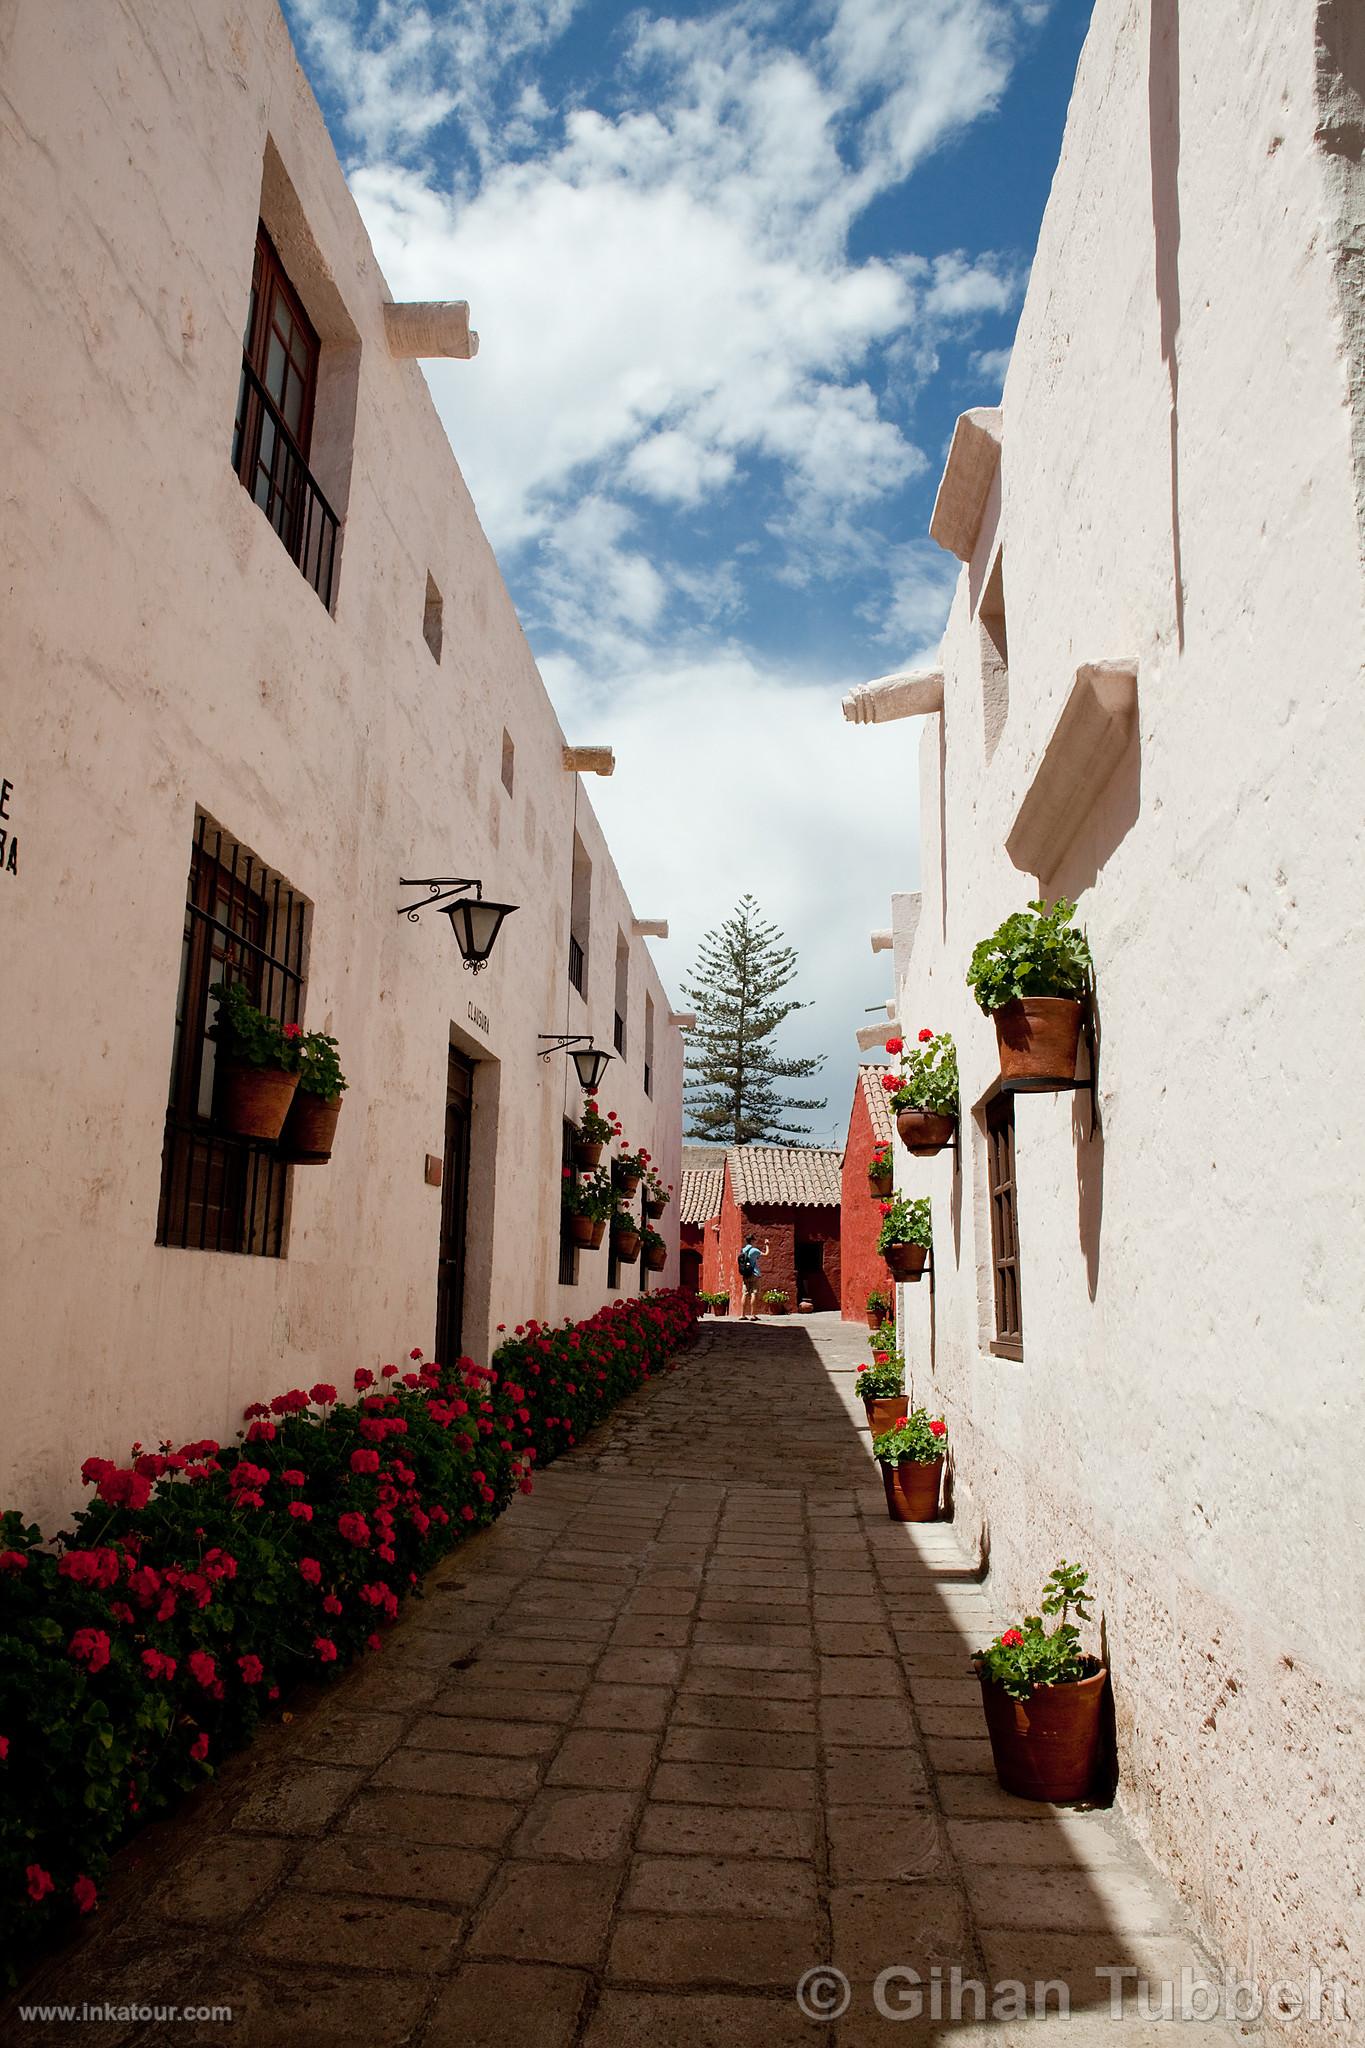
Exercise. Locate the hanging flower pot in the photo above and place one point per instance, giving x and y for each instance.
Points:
(1042, 1696)
(906, 1261)
(587, 1231)
(880, 1174)
(878, 1308)
(587, 1152)
(253, 1102)
(625, 1238)
(923, 1131)
(655, 1258)
(594, 1131)
(1034, 977)
(1038, 1039)
(886, 1413)
(911, 1457)
(912, 1490)
(310, 1129)
(654, 1207)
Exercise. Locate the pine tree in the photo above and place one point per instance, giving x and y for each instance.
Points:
(732, 1066)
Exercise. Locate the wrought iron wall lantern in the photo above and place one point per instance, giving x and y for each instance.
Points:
(475, 923)
(592, 1061)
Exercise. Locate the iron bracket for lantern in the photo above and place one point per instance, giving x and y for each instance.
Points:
(474, 921)
(592, 1061)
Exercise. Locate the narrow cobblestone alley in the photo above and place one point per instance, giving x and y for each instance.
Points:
(689, 1721)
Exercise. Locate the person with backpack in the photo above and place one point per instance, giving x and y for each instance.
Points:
(750, 1271)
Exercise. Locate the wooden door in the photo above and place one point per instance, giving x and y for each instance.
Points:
(454, 1206)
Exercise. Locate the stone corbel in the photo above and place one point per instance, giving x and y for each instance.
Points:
(590, 760)
(883, 941)
(913, 693)
(683, 1020)
(874, 1036)
(1087, 743)
(650, 927)
(966, 484)
(430, 327)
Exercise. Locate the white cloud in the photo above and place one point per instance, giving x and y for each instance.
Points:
(757, 783)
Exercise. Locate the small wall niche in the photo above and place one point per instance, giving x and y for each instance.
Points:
(433, 620)
(995, 656)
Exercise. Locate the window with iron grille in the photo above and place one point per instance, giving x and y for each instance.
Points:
(243, 923)
(273, 428)
(576, 963)
(568, 1251)
(1001, 1190)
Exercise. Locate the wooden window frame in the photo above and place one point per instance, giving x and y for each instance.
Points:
(1002, 1193)
(269, 283)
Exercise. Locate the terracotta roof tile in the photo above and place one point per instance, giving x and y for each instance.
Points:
(883, 1123)
(699, 1199)
(799, 1176)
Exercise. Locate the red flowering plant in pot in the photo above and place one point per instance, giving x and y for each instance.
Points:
(1033, 976)
(906, 1236)
(629, 1169)
(880, 1387)
(257, 1068)
(922, 1091)
(911, 1457)
(588, 1202)
(653, 1250)
(657, 1196)
(310, 1126)
(1042, 1696)
(625, 1235)
(880, 1172)
(880, 1308)
(594, 1132)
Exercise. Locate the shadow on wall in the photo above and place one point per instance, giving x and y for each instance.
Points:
(1163, 119)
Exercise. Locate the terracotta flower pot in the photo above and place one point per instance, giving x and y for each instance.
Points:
(627, 1244)
(253, 1101)
(881, 1184)
(805, 1308)
(585, 1153)
(656, 1258)
(906, 1261)
(923, 1131)
(875, 1319)
(1039, 1040)
(1047, 1746)
(886, 1411)
(587, 1230)
(310, 1128)
(654, 1209)
(626, 1182)
(912, 1490)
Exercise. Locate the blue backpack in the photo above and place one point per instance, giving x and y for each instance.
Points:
(748, 1263)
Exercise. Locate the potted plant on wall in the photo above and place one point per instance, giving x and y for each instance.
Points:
(657, 1196)
(881, 1389)
(258, 1064)
(594, 1131)
(1033, 977)
(588, 1202)
(878, 1308)
(1042, 1696)
(880, 1174)
(628, 1169)
(720, 1304)
(906, 1235)
(625, 1236)
(922, 1091)
(653, 1250)
(775, 1301)
(911, 1458)
(310, 1126)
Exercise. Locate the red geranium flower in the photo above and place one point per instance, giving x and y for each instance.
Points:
(925, 1036)
(39, 1883)
(938, 1427)
(322, 1394)
(890, 1083)
(85, 1895)
(364, 1461)
(895, 1045)
(252, 1670)
(89, 1646)
(199, 1748)
(311, 1570)
(1011, 1639)
(326, 1649)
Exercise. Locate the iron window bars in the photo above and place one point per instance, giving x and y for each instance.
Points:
(243, 923)
(1002, 1190)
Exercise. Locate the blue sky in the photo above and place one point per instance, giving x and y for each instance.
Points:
(736, 269)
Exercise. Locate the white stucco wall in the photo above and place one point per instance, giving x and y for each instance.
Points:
(159, 650)
(1187, 1416)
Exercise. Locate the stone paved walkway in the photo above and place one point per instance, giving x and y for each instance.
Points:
(692, 1719)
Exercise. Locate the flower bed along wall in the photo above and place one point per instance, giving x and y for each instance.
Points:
(199, 1584)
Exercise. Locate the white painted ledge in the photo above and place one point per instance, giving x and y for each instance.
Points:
(873, 1037)
(883, 941)
(967, 478)
(430, 327)
(683, 1020)
(590, 760)
(650, 927)
(1086, 746)
(913, 693)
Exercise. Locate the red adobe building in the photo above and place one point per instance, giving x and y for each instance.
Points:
(788, 1195)
(870, 1124)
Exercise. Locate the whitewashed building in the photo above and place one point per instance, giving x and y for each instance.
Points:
(257, 663)
(1149, 699)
